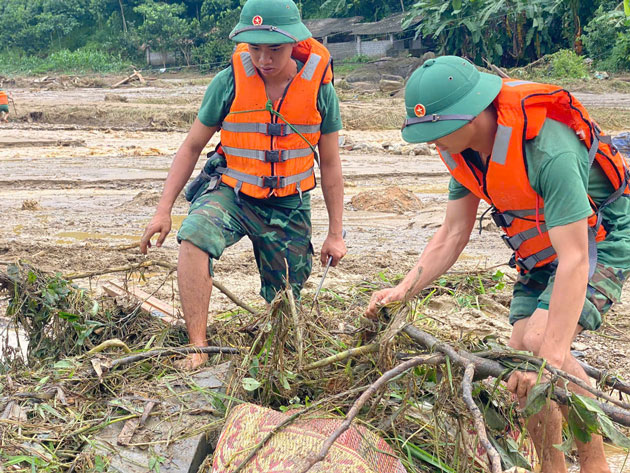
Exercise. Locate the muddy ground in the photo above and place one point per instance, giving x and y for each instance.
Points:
(82, 169)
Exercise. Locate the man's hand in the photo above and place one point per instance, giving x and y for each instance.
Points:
(160, 223)
(384, 297)
(333, 246)
(521, 383)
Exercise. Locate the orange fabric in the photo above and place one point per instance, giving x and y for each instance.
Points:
(298, 106)
(523, 108)
(4, 98)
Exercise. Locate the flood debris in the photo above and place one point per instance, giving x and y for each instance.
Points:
(434, 396)
(135, 76)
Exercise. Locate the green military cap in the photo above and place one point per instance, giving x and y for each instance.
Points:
(270, 22)
(443, 95)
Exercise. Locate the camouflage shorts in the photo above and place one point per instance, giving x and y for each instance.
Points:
(533, 290)
(216, 221)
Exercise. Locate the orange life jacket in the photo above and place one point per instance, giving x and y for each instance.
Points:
(4, 98)
(522, 108)
(265, 155)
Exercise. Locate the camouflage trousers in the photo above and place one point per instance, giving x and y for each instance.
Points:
(533, 290)
(281, 236)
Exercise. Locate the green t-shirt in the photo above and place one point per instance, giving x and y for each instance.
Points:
(218, 100)
(557, 168)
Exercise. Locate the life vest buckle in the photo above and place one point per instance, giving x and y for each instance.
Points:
(275, 129)
(502, 219)
(272, 156)
(272, 182)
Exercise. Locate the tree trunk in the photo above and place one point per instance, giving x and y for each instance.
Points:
(122, 13)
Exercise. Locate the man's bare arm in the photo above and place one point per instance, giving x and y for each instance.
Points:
(438, 256)
(181, 169)
(332, 188)
(569, 290)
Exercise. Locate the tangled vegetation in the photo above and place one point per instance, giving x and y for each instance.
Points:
(73, 385)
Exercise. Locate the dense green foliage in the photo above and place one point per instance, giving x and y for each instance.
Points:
(107, 35)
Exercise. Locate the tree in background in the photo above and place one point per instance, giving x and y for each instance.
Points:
(163, 28)
(506, 32)
(607, 36)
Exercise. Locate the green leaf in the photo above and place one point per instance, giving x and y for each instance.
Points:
(250, 384)
(536, 399)
(457, 5)
(626, 7)
(577, 427)
(68, 316)
(610, 431)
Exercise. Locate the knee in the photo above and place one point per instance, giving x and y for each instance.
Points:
(531, 342)
(191, 254)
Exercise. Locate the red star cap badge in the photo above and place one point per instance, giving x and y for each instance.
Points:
(420, 110)
(257, 20)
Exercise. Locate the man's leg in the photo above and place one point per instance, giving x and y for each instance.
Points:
(195, 288)
(283, 239)
(546, 426)
(214, 222)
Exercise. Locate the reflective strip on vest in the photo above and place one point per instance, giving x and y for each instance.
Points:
(517, 82)
(311, 65)
(515, 241)
(248, 65)
(501, 144)
(450, 162)
(268, 182)
(269, 129)
(530, 262)
(269, 156)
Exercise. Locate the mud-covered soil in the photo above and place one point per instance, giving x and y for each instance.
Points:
(78, 199)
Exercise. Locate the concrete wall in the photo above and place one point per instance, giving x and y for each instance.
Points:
(376, 48)
(342, 50)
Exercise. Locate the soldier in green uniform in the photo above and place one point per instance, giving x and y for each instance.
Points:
(278, 226)
(531, 152)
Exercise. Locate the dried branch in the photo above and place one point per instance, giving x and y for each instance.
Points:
(490, 368)
(562, 374)
(170, 351)
(480, 425)
(163, 264)
(362, 350)
(605, 378)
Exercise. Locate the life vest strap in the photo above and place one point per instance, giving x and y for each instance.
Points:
(515, 241)
(505, 219)
(269, 156)
(529, 263)
(269, 129)
(267, 182)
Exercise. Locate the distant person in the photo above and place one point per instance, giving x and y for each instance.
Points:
(560, 193)
(4, 105)
(274, 106)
